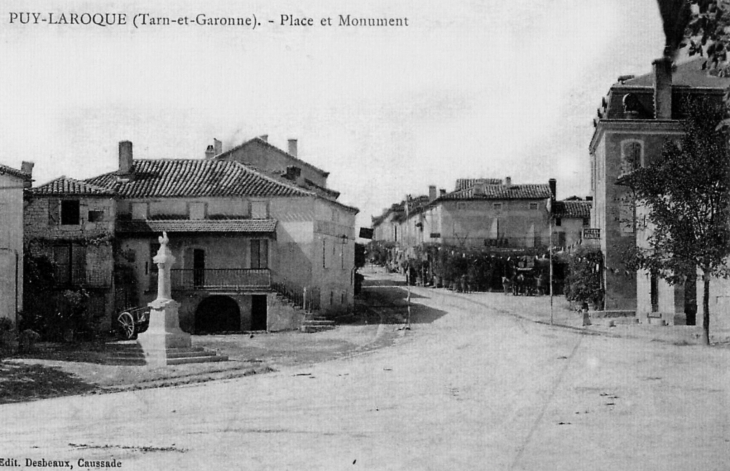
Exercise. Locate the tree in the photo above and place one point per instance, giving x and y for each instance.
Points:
(700, 27)
(583, 283)
(686, 197)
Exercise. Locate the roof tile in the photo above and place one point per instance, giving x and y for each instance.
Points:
(501, 192)
(68, 186)
(194, 178)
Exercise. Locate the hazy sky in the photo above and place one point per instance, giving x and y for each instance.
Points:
(469, 89)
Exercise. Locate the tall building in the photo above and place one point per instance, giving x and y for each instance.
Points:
(637, 117)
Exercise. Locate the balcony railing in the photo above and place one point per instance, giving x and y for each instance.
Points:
(221, 278)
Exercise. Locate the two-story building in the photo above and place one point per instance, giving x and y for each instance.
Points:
(248, 243)
(485, 214)
(238, 235)
(386, 226)
(570, 217)
(71, 223)
(12, 184)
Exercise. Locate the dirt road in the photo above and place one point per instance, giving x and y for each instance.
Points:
(469, 387)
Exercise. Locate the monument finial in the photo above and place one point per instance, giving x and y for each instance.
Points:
(163, 240)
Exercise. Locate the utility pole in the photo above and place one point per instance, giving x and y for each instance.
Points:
(550, 251)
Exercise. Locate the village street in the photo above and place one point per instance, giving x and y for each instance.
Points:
(468, 387)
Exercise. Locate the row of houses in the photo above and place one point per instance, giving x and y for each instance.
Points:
(249, 227)
(489, 214)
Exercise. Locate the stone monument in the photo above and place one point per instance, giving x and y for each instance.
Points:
(163, 333)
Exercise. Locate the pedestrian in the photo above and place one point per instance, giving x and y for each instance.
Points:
(586, 316)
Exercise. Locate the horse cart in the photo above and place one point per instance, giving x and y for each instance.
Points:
(134, 321)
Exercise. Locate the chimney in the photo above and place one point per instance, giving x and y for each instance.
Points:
(209, 152)
(662, 88)
(553, 187)
(27, 167)
(217, 146)
(293, 173)
(264, 137)
(508, 181)
(479, 188)
(126, 159)
(431, 192)
(293, 147)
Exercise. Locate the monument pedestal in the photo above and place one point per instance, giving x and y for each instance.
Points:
(163, 333)
(164, 343)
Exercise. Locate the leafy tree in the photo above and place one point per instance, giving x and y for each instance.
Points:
(699, 27)
(686, 195)
(583, 283)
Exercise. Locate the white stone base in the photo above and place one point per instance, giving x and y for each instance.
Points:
(163, 333)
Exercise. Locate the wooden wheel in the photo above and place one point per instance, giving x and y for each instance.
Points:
(126, 321)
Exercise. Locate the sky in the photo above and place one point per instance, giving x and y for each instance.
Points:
(469, 89)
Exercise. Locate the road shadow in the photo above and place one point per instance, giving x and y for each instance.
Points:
(389, 305)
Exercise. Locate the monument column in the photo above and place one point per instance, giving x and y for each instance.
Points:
(164, 331)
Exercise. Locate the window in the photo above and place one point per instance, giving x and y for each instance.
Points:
(558, 222)
(96, 216)
(70, 213)
(259, 253)
(586, 222)
(497, 206)
(324, 253)
(533, 206)
(632, 156)
(70, 263)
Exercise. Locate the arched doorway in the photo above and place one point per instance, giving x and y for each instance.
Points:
(217, 314)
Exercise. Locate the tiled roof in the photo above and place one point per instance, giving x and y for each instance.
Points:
(4, 169)
(320, 190)
(501, 192)
(68, 186)
(266, 143)
(257, 226)
(463, 183)
(688, 73)
(572, 209)
(194, 177)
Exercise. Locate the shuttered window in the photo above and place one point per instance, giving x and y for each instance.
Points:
(259, 253)
(54, 211)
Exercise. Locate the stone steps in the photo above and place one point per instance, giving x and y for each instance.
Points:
(316, 324)
(132, 354)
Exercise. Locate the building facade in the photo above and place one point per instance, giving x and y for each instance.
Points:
(637, 117)
(245, 241)
(71, 223)
(484, 214)
(12, 184)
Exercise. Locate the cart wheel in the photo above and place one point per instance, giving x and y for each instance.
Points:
(126, 321)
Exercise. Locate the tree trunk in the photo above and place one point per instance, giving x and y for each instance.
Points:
(706, 309)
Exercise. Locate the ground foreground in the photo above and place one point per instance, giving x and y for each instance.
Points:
(468, 387)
